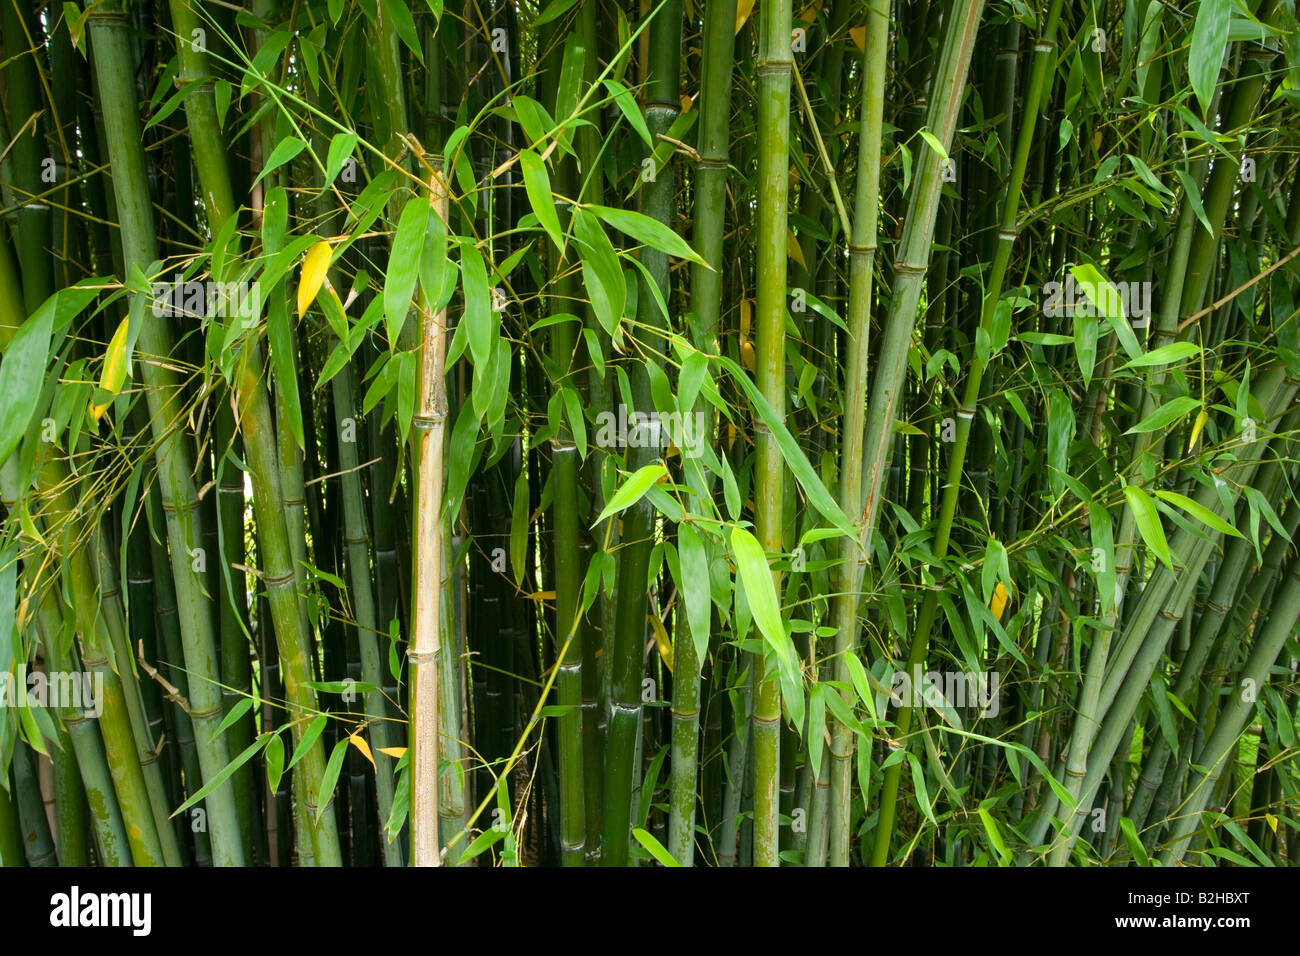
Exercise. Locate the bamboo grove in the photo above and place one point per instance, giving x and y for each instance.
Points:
(579, 432)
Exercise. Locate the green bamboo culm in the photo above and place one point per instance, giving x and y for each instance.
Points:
(862, 258)
(115, 69)
(774, 69)
(706, 304)
(628, 663)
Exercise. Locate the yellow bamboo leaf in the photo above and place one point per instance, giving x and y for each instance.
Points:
(859, 37)
(747, 355)
(397, 753)
(1196, 428)
(113, 377)
(743, 9)
(809, 13)
(1272, 821)
(541, 596)
(314, 265)
(746, 317)
(662, 639)
(687, 103)
(998, 604)
(359, 742)
(793, 249)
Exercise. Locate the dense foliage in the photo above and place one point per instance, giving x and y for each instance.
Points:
(585, 432)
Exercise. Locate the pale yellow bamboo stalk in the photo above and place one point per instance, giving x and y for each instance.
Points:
(430, 425)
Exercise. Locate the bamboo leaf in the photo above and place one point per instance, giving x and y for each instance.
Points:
(404, 265)
(481, 320)
(603, 276)
(309, 738)
(1199, 512)
(314, 266)
(1166, 354)
(1148, 523)
(113, 375)
(537, 183)
(794, 457)
(223, 774)
(284, 152)
(519, 528)
(655, 848)
(359, 742)
(1209, 44)
(694, 586)
(274, 762)
(1165, 415)
(626, 104)
(756, 575)
(330, 778)
(648, 231)
(632, 491)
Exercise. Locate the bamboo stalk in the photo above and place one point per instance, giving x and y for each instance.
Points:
(429, 422)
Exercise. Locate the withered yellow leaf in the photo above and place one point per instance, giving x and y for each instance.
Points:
(314, 265)
(113, 377)
(359, 742)
(998, 603)
(662, 640)
(743, 9)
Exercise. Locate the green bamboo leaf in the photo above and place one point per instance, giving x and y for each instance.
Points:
(519, 527)
(995, 836)
(1134, 842)
(224, 773)
(284, 152)
(400, 16)
(694, 586)
(330, 777)
(404, 265)
(22, 376)
(934, 143)
(626, 103)
(242, 706)
(794, 457)
(1165, 415)
(601, 271)
(632, 491)
(817, 726)
(1102, 561)
(756, 576)
(654, 846)
(274, 762)
(1166, 354)
(309, 738)
(341, 147)
(537, 183)
(482, 842)
(1209, 44)
(1148, 523)
(553, 10)
(434, 265)
(1199, 512)
(648, 231)
(481, 320)
(1109, 304)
